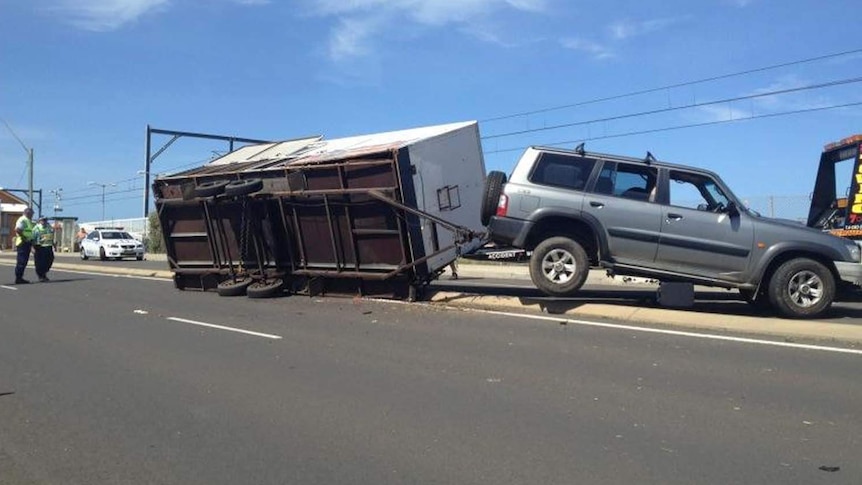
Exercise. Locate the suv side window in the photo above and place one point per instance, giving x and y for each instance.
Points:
(564, 171)
(627, 180)
(696, 191)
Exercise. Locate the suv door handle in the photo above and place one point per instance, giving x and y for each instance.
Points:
(598, 204)
(673, 217)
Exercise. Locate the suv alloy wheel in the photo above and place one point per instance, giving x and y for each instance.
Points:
(802, 288)
(559, 266)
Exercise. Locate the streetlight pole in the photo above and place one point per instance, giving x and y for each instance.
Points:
(57, 198)
(103, 186)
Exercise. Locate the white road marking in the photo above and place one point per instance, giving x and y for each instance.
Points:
(8, 287)
(619, 326)
(221, 327)
(110, 275)
(679, 333)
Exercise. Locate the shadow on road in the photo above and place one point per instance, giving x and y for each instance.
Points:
(717, 302)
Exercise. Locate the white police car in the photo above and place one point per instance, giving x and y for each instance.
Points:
(111, 242)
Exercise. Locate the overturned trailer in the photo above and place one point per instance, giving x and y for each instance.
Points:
(381, 214)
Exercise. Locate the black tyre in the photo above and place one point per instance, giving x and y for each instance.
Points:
(139, 258)
(802, 288)
(559, 266)
(102, 255)
(84, 255)
(211, 188)
(231, 287)
(243, 187)
(266, 289)
(491, 196)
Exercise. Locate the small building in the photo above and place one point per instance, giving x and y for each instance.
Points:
(11, 208)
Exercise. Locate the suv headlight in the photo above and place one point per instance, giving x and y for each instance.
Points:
(855, 253)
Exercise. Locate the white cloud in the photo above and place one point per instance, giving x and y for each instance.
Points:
(105, 15)
(624, 29)
(351, 38)
(726, 112)
(598, 51)
(359, 21)
(108, 15)
(433, 12)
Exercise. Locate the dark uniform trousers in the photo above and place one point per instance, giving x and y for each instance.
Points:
(23, 257)
(44, 259)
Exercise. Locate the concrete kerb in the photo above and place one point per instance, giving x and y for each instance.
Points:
(59, 264)
(117, 270)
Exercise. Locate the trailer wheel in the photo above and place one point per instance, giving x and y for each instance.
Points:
(802, 288)
(559, 266)
(265, 288)
(211, 188)
(231, 287)
(491, 196)
(243, 187)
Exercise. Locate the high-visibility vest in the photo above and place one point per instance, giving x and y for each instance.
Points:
(27, 232)
(43, 236)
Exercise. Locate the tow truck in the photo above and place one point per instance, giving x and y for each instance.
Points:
(836, 203)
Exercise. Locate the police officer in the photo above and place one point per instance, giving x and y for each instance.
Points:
(23, 244)
(43, 248)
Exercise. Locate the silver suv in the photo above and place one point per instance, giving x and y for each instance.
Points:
(642, 217)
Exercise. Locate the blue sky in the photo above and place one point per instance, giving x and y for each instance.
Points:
(81, 79)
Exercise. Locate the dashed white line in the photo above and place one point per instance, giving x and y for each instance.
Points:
(8, 287)
(222, 327)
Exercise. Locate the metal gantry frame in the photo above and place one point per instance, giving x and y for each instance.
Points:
(29, 193)
(176, 135)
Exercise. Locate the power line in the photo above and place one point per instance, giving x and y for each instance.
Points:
(99, 196)
(187, 165)
(75, 191)
(671, 86)
(113, 199)
(667, 110)
(680, 127)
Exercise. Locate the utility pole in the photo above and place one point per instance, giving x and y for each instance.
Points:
(29, 152)
(30, 166)
(103, 186)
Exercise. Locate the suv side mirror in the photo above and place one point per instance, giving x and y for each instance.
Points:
(732, 209)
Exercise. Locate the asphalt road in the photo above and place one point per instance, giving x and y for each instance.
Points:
(114, 380)
(714, 301)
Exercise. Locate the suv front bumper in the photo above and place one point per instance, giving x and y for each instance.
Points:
(505, 230)
(849, 272)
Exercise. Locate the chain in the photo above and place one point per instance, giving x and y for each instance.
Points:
(243, 235)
